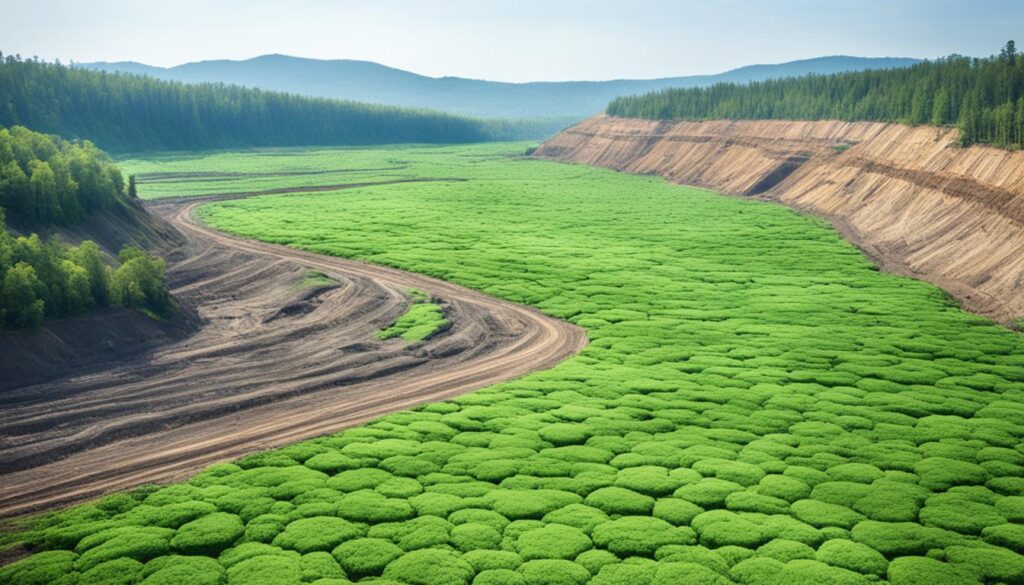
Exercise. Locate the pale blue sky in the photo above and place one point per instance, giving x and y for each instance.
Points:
(519, 40)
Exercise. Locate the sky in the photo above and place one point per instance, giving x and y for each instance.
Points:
(521, 40)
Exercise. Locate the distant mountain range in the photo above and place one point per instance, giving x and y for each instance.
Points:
(366, 81)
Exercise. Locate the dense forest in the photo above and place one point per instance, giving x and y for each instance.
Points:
(122, 112)
(45, 180)
(46, 279)
(984, 98)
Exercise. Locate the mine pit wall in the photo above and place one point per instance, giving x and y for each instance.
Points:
(910, 197)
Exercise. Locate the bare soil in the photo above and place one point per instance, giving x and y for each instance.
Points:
(271, 363)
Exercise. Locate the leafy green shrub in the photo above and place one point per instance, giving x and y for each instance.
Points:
(430, 567)
(822, 514)
(516, 505)
(180, 570)
(554, 541)
(925, 571)
(734, 532)
(248, 550)
(408, 466)
(1010, 536)
(116, 572)
(854, 556)
(745, 474)
(553, 572)
(807, 571)
(370, 506)
(472, 536)
(266, 570)
(756, 571)
(623, 574)
(168, 516)
(902, 538)
(320, 565)
(561, 434)
(352, 480)
(959, 514)
(989, 564)
(676, 511)
(749, 501)
(331, 462)
(700, 555)
(639, 535)
(45, 568)
(484, 560)
(422, 532)
(479, 516)
(708, 493)
(785, 550)
(499, 577)
(856, 472)
(594, 559)
(942, 473)
(365, 557)
(578, 516)
(687, 574)
(208, 535)
(141, 544)
(648, 479)
(320, 533)
(617, 500)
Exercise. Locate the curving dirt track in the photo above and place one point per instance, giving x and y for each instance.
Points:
(272, 364)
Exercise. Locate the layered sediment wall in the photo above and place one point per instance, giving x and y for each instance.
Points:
(911, 197)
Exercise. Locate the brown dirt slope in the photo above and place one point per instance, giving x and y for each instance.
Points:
(909, 196)
(272, 363)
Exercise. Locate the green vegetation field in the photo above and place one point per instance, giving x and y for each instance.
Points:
(758, 405)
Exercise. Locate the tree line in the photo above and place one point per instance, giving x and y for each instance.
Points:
(40, 280)
(122, 112)
(983, 97)
(45, 180)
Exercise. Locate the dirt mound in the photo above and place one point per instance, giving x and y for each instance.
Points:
(909, 196)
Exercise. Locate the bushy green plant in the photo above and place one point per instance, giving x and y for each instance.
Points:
(208, 535)
(430, 567)
(266, 570)
(553, 572)
(854, 556)
(639, 535)
(182, 570)
(364, 557)
(617, 500)
(122, 571)
(926, 571)
(472, 536)
(554, 541)
(320, 533)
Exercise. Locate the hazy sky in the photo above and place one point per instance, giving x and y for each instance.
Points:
(517, 40)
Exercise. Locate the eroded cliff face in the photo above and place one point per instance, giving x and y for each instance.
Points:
(909, 196)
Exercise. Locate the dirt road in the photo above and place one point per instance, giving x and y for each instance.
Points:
(272, 364)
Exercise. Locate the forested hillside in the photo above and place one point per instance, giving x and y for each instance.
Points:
(45, 180)
(370, 82)
(122, 112)
(983, 97)
(46, 279)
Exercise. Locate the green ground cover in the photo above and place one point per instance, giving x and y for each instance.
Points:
(758, 405)
(422, 320)
(192, 174)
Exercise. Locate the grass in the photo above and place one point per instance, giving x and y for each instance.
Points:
(423, 319)
(758, 404)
